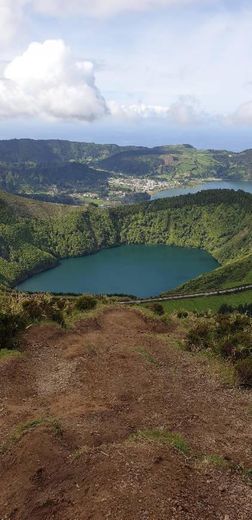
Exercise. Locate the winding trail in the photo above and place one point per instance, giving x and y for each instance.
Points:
(71, 408)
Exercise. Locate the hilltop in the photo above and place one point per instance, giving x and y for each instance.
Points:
(34, 236)
(107, 420)
(65, 171)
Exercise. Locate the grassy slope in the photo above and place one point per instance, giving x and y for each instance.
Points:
(212, 303)
(35, 235)
(183, 163)
(234, 273)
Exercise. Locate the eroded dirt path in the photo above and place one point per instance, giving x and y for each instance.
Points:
(89, 390)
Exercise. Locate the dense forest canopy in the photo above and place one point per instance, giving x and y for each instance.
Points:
(34, 236)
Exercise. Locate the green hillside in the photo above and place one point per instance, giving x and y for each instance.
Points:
(183, 163)
(35, 166)
(53, 150)
(33, 177)
(34, 236)
(55, 167)
(233, 273)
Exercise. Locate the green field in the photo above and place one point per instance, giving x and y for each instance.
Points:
(203, 304)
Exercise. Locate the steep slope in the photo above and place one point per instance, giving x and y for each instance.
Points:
(51, 151)
(232, 274)
(34, 166)
(111, 421)
(65, 176)
(34, 235)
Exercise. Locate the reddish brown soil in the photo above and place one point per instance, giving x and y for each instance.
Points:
(100, 387)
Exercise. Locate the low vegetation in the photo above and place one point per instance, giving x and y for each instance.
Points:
(157, 308)
(244, 371)
(11, 324)
(179, 443)
(245, 308)
(18, 311)
(29, 426)
(147, 356)
(85, 303)
(209, 303)
(227, 336)
(9, 353)
(164, 437)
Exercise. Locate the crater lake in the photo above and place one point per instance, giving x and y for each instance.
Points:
(139, 270)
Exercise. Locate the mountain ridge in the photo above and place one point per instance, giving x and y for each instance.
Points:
(52, 168)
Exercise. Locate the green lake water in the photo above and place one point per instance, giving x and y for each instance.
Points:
(138, 270)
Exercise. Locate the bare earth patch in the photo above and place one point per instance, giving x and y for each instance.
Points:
(111, 421)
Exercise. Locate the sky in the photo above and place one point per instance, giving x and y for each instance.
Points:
(145, 72)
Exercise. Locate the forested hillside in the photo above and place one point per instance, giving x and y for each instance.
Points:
(51, 151)
(52, 167)
(32, 177)
(34, 236)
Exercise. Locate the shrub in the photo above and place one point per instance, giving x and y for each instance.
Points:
(225, 309)
(226, 349)
(199, 337)
(43, 308)
(10, 326)
(245, 308)
(182, 314)
(157, 308)
(85, 303)
(60, 303)
(223, 326)
(240, 323)
(33, 309)
(235, 346)
(56, 315)
(244, 371)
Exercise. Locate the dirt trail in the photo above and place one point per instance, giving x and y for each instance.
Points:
(89, 390)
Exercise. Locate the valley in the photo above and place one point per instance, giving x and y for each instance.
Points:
(79, 173)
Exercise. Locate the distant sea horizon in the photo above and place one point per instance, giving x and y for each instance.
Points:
(234, 139)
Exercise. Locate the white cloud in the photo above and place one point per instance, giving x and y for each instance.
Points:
(106, 7)
(243, 115)
(11, 16)
(187, 111)
(47, 81)
(205, 56)
(184, 111)
(13, 12)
